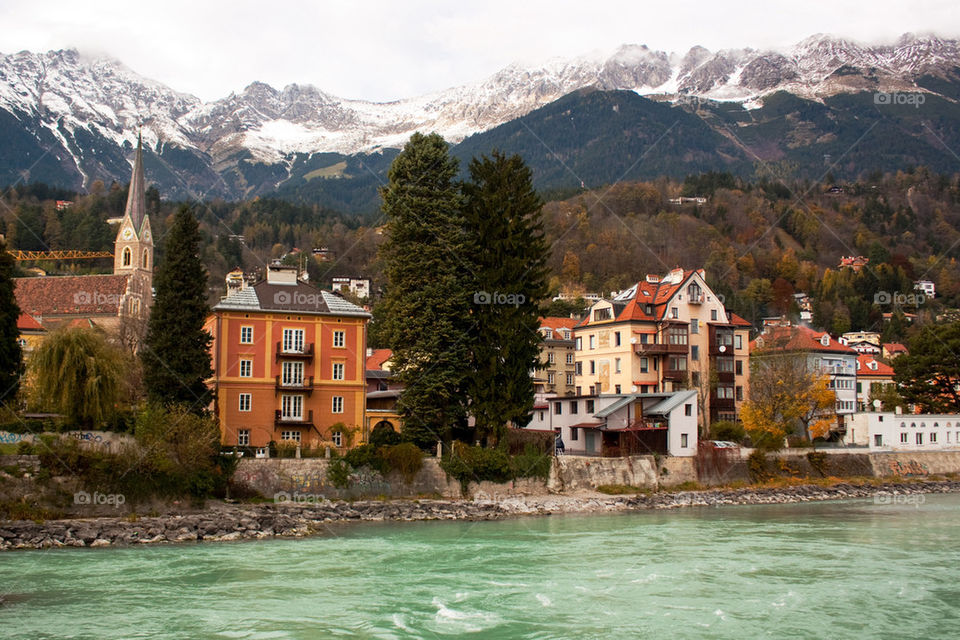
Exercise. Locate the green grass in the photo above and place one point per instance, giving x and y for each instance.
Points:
(333, 171)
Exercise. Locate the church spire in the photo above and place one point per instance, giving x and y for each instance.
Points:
(136, 198)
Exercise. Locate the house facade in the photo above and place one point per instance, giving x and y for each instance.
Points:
(872, 376)
(557, 377)
(890, 431)
(664, 335)
(289, 363)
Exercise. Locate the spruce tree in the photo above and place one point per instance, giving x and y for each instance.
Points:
(11, 355)
(176, 357)
(425, 317)
(509, 254)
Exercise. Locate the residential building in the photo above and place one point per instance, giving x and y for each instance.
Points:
(663, 335)
(119, 303)
(288, 363)
(872, 376)
(926, 287)
(556, 377)
(890, 350)
(623, 424)
(383, 392)
(31, 332)
(853, 262)
(862, 341)
(360, 287)
(817, 352)
(890, 431)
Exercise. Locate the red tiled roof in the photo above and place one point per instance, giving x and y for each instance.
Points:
(377, 358)
(70, 295)
(895, 347)
(27, 322)
(865, 368)
(798, 339)
(557, 323)
(738, 321)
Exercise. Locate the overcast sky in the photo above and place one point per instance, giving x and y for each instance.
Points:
(384, 50)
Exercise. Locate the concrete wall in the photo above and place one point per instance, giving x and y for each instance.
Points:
(572, 473)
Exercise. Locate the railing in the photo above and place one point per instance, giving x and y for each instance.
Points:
(302, 387)
(659, 348)
(838, 370)
(280, 420)
(305, 354)
(680, 375)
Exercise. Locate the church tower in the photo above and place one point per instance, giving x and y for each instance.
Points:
(133, 248)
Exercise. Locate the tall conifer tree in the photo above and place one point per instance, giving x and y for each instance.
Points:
(11, 355)
(176, 357)
(426, 306)
(509, 254)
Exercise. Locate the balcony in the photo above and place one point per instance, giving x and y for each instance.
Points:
(696, 298)
(677, 375)
(305, 354)
(304, 386)
(722, 404)
(658, 348)
(304, 421)
(838, 370)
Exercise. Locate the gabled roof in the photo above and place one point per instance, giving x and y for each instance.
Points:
(26, 322)
(801, 339)
(71, 295)
(895, 347)
(870, 367)
(738, 321)
(557, 324)
(300, 298)
(377, 358)
(670, 403)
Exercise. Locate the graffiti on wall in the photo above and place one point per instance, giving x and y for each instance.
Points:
(908, 468)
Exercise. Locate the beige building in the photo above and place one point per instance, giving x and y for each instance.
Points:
(663, 335)
(556, 378)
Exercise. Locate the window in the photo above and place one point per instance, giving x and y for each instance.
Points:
(569, 358)
(877, 440)
(903, 438)
(724, 393)
(695, 352)
(602, 314)
(738, 367)
(688, 409)
(644, 365)
(578, 368)
(245, 401)
(713, 315)
(293, 435)
(678, 363)
(293, 340)
(566, 334)
(859, 387)
(694, 325)
(616, 338)
(683, 439)
(291, 407)
(569, 379)
(127, 257)
(616, 365)
(616, 389)
(337, 438)
(338, 370)
(243, 437)
(695, 378)
(593, 341)
(919, 437)
(579, 344)
(738, 342)
(574, 407)
(677, 335)
(589, 406)
(337, 404)
(292, 374)
(145, 260)
(246, 335)
(644, 338)
(550, 378)
(557, 408)
(739, 393)
(246, 368)
(338, 341)
(593, 367)
(574, 434)
(674, 312)
(551, 358)
(724, 365)
(694, 292)
(933, 438)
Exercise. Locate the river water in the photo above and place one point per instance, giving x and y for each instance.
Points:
(849, 569)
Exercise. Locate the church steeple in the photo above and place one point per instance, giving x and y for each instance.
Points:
(133, 248)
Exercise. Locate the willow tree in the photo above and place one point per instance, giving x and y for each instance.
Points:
(11, 355)
(78, 373)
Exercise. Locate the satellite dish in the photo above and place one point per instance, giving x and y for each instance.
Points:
(877, 403)
(633, 389)
(633, 340)
(722, 348)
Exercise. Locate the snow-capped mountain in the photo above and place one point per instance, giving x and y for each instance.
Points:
(85, 113)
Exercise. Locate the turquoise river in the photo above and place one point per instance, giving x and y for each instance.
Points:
(854, 569)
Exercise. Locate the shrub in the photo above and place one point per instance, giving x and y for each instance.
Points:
(366, 455)
(384, 434)
(338, 473)
(818, 460)
(757, 466)
(728, 430)
(532, 463)
(407, 458)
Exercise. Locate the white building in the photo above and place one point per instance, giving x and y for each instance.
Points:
(359, 287)
(911, 432)
(622, 424)
(927, 287)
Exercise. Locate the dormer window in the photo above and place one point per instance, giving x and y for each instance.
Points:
(602, 314)
(548, 334)
(825, 340)
(566, 334)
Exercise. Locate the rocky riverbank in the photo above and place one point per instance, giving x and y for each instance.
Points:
(224, 522)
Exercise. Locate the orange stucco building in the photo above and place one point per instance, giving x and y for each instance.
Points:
(288, 363)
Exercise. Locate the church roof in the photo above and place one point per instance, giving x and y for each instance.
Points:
(137, 195)
(70, 295)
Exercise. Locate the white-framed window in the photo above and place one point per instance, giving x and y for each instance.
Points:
(338, 370)
(243, 437)
(933, 438)
(551, 358)
(339, 340)
(291, 407)
(292, 341)
(292, 374)
(694, 325)
(337, 404)
(578, 368)
(616, 364)
(550, 378)
(674, 312)
(337, 438)
(738, 342)
(292, 435)
(569, 378)
(569, 358)
(246, 368)
(683, 440)
(245, 401)
(593, 341)
(903, 438)
(246, 335)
